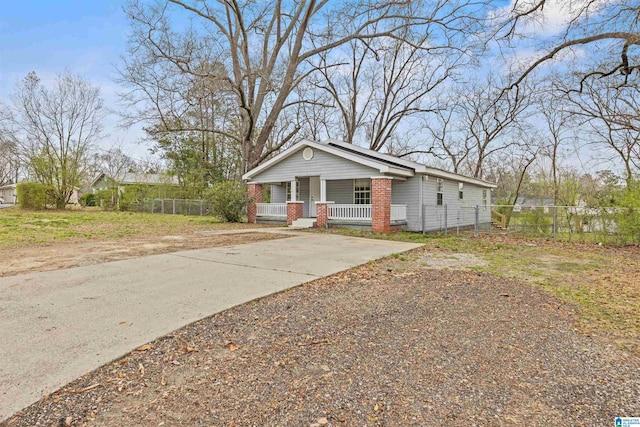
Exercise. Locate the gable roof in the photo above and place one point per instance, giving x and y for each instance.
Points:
(385, 163)
(140, 178)
(384, 167)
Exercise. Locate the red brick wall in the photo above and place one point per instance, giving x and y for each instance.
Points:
(294, 211)
(322, 212)
(255, 196)
(397, 228)
(381, 205)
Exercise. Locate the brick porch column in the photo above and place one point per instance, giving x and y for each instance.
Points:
(381, 204)
(254, 193)
(322, 214)
(294, 211)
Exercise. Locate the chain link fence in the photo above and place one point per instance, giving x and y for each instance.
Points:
(455, 219)
(606, 225)
(174, 207)
(612, 225)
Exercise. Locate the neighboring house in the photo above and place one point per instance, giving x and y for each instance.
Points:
(528, 203)
(9, 194)
(103, 182)
(333, 183)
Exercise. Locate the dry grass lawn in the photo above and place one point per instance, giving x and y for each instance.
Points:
(49, 240)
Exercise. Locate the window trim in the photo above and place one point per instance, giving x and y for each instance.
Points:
(365, 192)
(287, 194)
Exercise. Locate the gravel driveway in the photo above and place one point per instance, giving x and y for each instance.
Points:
(396, 343)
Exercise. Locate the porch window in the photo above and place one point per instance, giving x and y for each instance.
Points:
(362, 192)
(289, 190)
(460, 191)
(439, 191)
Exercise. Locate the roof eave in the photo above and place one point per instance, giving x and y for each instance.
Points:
(454, 176)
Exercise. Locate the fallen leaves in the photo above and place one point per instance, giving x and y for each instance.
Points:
(145, 347)
(316, 342)
(83, 390)
(231, 346)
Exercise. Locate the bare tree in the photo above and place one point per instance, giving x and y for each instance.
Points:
(611, 121)
(611, 28)
(449, 145)
(558, 135)
(479, 121)
(9, 160)
(56, 128)
(379, 87)
(114, 162)
(264, 47)
(9, 163)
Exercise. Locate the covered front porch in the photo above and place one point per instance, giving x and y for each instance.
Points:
(359, 203)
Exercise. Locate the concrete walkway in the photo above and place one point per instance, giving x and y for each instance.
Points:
(56, 326)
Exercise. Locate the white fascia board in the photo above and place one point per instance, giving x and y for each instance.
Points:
(398, 171)
(408, 163)
(457, 177)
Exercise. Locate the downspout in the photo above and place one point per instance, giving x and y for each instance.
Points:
(420, 201)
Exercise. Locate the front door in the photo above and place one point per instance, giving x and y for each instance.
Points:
(314, 194)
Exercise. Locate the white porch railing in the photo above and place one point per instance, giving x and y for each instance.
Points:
(398, 212)
(271, 209)
(350, 212)
(363, 212)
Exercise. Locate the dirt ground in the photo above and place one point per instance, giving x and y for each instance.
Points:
(416, 339)
(56, 255)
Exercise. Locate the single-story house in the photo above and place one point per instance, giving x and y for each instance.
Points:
(103, 182)
(333, 183)
(9, 195)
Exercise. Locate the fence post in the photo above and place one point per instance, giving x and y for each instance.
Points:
(446, 219)
(555, 222)
(422, 217)
(201, 202)
(476, 228)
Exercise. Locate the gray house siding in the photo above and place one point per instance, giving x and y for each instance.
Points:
(324, 165)
(340, 191)
(459, 213)
(278, 193)
(408, 193)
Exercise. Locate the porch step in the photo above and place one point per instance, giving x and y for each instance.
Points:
(304, 223)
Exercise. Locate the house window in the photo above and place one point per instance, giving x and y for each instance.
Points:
(289, 190)
(362, 191)
(484, 199)
(439, 191)
(460, 191)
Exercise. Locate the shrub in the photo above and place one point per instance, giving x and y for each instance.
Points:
(106, 199)
(88, 199)
(227, 200)
(32, 195)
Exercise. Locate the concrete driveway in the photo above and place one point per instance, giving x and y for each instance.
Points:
(56, 326)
